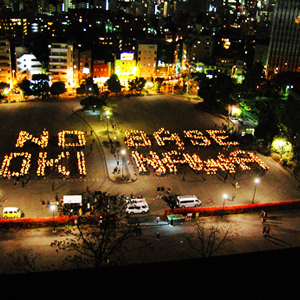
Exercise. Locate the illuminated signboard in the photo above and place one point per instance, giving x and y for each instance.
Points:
(126, 56)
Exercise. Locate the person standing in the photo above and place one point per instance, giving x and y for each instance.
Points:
(263, 216)
(157, 236)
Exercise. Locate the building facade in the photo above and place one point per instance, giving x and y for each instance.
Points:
(61, 63)
(125, 68)
(28, 65)
(146, 60)
(283, 52)
(101, 72)
(5, 62)
(82, 66)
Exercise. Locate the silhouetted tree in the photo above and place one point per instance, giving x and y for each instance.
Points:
(57, 88)
(268, 121)
(92, 101)
(206, 239)
(98, 242)
(25, 87)
(137, 84)
(114, 84)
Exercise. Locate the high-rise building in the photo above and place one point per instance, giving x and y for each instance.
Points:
(5, 61)
(283, 53)
(146, 60)
(61, 63)
(28, 65)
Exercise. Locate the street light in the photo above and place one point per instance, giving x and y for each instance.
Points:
(123, 154)
(52, 207)
(224, 198)
(107, 118)
(281, 145)
(256, 181)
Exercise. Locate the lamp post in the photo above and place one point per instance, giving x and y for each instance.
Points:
(107, 119)
(281, 145)
(256, 181)
(224, 198)
(107, 113)
(123, 154)
(52, 207)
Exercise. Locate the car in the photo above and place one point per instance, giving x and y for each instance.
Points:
(137, 208)
(11, 212)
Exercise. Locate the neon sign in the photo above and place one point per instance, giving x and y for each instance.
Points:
(126, 56)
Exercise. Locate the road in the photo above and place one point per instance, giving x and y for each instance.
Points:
(246, 236)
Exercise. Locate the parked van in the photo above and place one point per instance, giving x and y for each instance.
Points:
(11, 212)
(188, 201)
(137, 208)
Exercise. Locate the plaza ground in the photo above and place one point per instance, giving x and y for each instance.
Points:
(151, 113)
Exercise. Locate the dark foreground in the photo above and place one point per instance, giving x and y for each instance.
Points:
(263, 275)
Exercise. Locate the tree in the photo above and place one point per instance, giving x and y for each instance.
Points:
(91, 87)
(57, 88)
(96, 243)
(253, 79)
(137, 84)
(268, 121)
(88, 88)
(24, 259)
(40, 85)
(25, 87)
(290, 124)
(206, 240)
(114, 84)
(92, 101)
(81, 89)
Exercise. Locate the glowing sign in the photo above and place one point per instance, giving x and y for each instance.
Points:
(126, 56)
(18, 164)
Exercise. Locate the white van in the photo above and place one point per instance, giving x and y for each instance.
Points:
(11, 212)
(137, 208)
(188, 201)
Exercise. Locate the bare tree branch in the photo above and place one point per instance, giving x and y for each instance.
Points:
(96, 244)
(24, 259)
(206, 239)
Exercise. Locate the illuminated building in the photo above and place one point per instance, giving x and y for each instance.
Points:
(14, 27)
(283, 53)
(5, 61)
(125, 67)
(28, 65)
(61, 63)
(146, 60)
(101, 72)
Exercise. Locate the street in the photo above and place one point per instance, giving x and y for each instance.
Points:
(246, 236)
